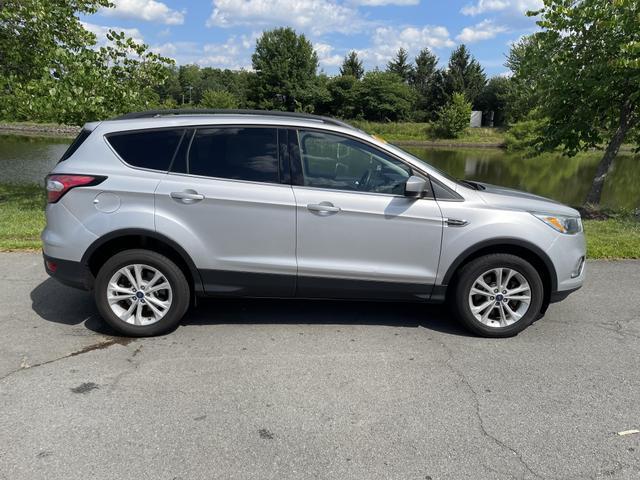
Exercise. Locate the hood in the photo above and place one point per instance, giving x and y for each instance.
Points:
(509, 198)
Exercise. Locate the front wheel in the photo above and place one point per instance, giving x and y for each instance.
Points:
(498, 295)
(141, 293)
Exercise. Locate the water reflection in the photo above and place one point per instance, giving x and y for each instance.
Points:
(551, 175)
(29, 159)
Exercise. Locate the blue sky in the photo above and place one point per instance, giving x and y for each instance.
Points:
(222, 33)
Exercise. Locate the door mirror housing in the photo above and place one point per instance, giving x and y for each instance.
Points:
(415, 186)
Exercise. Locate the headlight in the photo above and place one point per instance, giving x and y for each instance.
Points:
(561, 223)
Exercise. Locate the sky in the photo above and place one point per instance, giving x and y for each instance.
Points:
(223, 33)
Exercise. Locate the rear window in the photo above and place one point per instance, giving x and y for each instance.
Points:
(79, 140)
(153, 149)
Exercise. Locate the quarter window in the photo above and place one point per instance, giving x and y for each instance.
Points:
(237, 153)
(342, 163)
(153, 149)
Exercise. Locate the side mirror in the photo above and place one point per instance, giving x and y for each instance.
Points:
(415, 186)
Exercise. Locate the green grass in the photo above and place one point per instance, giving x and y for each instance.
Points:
(613, 238)
(410, 131)
(21, 216)
(22, 220)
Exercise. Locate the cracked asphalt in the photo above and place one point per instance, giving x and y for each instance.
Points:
(328, 390)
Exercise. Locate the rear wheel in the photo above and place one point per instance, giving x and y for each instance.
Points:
(141, 293)
(498, 295)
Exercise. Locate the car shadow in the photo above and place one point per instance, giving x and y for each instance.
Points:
(57, 303)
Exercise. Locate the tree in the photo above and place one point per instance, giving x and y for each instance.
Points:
(585, 68)
(285, 64)
(383, 96)
(400, 66)
(493, 98)
(454, 117)
(464, 74)
(51, 69)
(428, 83)
(426, 66)
(218, 99)
(343, 91)
(352, 65)
(35, 34)
(521, 96)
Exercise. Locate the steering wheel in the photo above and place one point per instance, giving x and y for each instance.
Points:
(364, 180)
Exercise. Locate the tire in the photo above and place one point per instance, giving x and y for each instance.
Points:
(158, 303)
(506, 317)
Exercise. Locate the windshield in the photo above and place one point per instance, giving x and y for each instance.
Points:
(440, 172)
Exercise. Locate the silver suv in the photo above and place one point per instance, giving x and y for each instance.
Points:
(152, 210)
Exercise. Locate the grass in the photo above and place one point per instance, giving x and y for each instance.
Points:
(613, 238)
(22, 220)
(423, 132)
(21, 216)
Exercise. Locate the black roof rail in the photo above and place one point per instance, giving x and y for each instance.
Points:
(208, 111)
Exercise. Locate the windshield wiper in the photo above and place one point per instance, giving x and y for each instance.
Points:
(474, 185)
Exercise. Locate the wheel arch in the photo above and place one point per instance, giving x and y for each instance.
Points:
(515, 246)
(108, 245)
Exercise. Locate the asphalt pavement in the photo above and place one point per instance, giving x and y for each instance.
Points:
(250, 389)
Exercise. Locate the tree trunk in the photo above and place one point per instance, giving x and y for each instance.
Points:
(595, 192)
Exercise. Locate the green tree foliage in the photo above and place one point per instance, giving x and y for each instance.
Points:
(218, 99)
(521, 96)
(352, 66)
(60, 77)
(584, 67)
(400, 65)
(464, 75)
(384, 96)
(428, 82)
(37, 35)
(453, 118)
(285, 64)
(493, 98)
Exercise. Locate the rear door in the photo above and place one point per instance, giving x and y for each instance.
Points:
(228, 201)
(358, 236)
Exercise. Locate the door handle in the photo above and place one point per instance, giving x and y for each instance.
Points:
(325, 208)
(187, 196)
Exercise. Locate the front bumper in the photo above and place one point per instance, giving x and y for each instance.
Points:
(68, 272)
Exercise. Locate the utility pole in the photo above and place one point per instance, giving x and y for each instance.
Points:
(190, 88)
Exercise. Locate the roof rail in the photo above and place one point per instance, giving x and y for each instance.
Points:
(207, 111)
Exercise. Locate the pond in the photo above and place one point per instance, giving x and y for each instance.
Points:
(29, 159)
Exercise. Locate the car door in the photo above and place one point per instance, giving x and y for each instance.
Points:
(358, 236)
(228, 202)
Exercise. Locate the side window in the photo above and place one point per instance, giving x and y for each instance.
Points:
(153, 149)
(79, 140)
(236, 153)
(341, 163)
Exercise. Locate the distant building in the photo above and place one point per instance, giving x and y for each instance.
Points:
(476, 119)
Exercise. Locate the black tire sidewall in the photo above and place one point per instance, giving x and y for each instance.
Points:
(473, 270)
(173, 274)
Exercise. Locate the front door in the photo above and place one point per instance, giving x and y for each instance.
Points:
(358, 236)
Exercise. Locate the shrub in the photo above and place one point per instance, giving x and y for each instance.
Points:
(453, 119)
(218, 99)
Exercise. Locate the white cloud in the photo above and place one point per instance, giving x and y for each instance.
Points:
(326, 55)
(147, 10)
(316, 16)
(518, 6)
(388, 40)
(100, 31)
(482, 31)
(380, 3)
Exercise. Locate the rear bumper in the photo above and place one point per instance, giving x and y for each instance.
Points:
(68, 272)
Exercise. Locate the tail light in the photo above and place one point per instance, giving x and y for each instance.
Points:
(58, 185)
